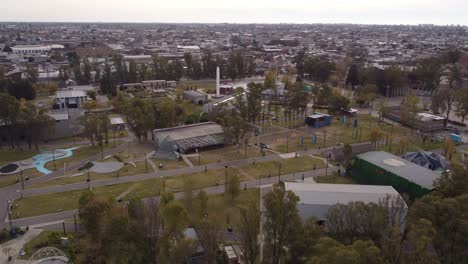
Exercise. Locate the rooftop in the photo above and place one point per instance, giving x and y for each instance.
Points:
(190, 131)
(70, 94)
(403, 168)
(330, 194)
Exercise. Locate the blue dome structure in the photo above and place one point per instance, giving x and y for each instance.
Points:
(429, 160)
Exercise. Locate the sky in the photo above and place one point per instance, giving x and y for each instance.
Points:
(441, 12)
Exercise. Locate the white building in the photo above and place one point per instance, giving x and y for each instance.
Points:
(316, 198)
(34, 49)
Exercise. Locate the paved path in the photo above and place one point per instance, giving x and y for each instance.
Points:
(12, 192)
(15, 245)
(54, 218)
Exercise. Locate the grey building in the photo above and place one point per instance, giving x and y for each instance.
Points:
(185, 139)
(195, 97)
(316, 198)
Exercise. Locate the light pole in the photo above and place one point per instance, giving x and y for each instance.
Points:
(279, 172)
(53, 157)
(88, 179)
(146, 163)
(225, 176)
(287, 143)
(326, 167)
(9, 215)
(22, 179)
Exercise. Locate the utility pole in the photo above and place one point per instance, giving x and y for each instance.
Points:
(53, 157)
(146, 163)
(279, 172)
(287, 142)
(225, 177)
(22, 179)
(9, 215)
(88, 179)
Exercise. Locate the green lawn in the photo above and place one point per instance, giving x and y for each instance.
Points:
(227, 153)
(50, 203)
(7, 156)
(334, 179)
(80, 154)
(127, 170)
(170, 164)
(7, 180)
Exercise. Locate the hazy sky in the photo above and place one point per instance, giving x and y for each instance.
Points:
(239, 11)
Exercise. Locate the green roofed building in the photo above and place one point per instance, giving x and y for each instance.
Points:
(382, 168)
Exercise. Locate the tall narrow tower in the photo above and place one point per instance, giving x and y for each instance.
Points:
(217, 81)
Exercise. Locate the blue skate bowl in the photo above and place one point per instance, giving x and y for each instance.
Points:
(40, 160)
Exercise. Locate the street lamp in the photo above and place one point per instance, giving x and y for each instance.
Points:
(225, 176)
(88, 179)
(9, 215)
(53, 157)
(279, 172)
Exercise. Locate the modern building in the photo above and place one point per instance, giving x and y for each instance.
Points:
(195, 97)
(318, 120)
(315, 199)
(185, 139)
(70, 99)
(382, 168)
(31, 49)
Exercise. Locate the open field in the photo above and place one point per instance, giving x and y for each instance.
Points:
(7, 156)
(7, 180)
(227, 153)
(168, 164)
(50, 203)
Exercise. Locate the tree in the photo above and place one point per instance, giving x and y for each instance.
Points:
(22, 89)
(299, 61)
(86, 72)
(92, 211)
(428, 73)
(338, 103)
(9, 113)
(447, 216)
(303, 240)
(356, 220)
(364, 95)
(35, 123)
(409, 109)
(453, 182)
(107, 84)
(31, 73)
(332, 252)
(140, 117)
(249, 228)
(448, 148)
(209, 233)
(233, 187)
(420, 243)
(280, 212)
(353, 76)
(254, 98)
(461, 103)
(348, 155)
(375, 136)
(383, 110)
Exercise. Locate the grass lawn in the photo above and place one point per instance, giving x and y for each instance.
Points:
(7, 156)
(57, 202)
(334, 179)
(40, 241)
(227, 153)
(170, 164)
(127, 170)
(288, 166)
(50, 203)
(7, 180)
(80, 154)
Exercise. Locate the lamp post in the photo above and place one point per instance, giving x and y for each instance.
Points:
(326, 167)
(9, 215)
(279, 172)
(22, 179)
(88, 179)
(53, 157)
(146, 163)
(225, 176)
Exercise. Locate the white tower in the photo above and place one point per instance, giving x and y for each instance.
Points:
(217, 81)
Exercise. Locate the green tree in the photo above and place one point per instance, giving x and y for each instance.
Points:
(92, 212)
(233, 187)
(461, 103)
(140, 117)
(9, 113)
(280, 212)
(348, 155)
(249, 228)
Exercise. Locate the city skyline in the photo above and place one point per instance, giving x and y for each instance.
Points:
(242, 11)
